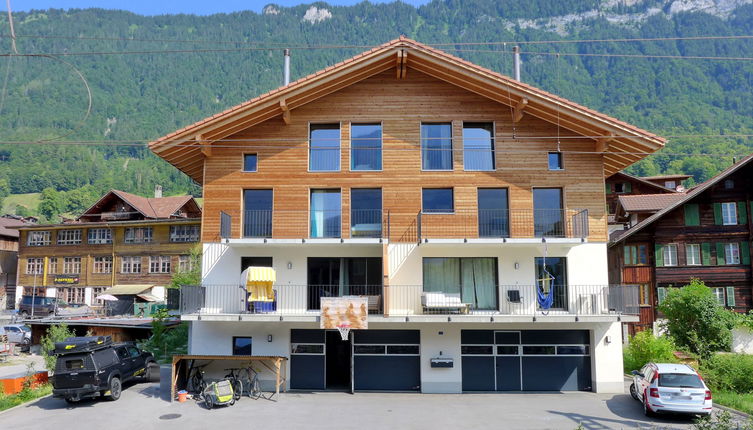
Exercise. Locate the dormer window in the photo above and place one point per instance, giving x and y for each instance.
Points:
(670, 184)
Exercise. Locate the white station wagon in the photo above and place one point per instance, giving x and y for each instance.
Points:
(674, 388)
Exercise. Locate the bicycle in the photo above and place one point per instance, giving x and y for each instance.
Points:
(197, 382)
(245, 380)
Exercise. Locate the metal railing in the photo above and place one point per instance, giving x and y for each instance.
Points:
(226, 223)
(406, 300)
(315, 224)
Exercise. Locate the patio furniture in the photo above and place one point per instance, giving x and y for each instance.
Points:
(432, 302)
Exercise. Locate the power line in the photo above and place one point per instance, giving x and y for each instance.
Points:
(588, 54)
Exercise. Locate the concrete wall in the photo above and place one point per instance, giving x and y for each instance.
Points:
(742, 340)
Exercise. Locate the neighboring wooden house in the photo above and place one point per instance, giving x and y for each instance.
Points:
(123, 239)
(705, 234)
(8, 260)
(671, 182)
(431, 188)
(621, 184)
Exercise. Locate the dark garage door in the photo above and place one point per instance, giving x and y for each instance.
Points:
(387, 360)
(528, 360)
(307, 360)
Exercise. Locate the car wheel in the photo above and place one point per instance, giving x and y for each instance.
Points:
(115, 389)
(208, 402)
(149, 372)
(633, 392)
(646, 409)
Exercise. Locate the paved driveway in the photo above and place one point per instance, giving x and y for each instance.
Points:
(141, 407)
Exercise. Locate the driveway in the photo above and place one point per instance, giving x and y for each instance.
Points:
(141, 407)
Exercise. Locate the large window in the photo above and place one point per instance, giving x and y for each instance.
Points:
(548, 219)
(185, 263)
(729, 213)
(337, 277)
(257, 213)
(131, 264)
(732, 253)
(138, 235)
(366, 212)
(324, 147)
(102, 265)
(38, 238)
(159, 264)
(325, 213)
(184, 233)
(635, 255)
(34, 266)
(71, 265)
(52, 265)
(719, 295)
(366, 147)
(551, 279)
(436, 146)
(478, 146)
(242, 345)
(475, 279)
(493, 213)
(437, 200)
(99, 236)
(670, 255)
(693, 254)
(69, 237)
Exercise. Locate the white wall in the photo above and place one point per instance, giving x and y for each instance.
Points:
(742, 341)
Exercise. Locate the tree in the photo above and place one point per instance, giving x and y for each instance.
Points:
(51, 204)
(4, 190)
(192, 276)
(56, 333)
(696, 321)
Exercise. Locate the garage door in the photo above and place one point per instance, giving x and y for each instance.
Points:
(528, 360)
(307, 360)
(387, 360)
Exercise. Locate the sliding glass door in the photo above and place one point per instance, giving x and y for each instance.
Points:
(343, 276)
(366, 212)
(475, 279)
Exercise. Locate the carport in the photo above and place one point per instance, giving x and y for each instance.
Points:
(183, 364)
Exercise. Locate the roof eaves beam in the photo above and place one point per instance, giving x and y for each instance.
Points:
(285, 111)
(518, 110)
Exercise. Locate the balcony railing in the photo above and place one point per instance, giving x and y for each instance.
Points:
(408, 227)
(407, 300)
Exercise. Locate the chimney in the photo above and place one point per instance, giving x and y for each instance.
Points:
(157, 191)
(286, 68)
(516, 62)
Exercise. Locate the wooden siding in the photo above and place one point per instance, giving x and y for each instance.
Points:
(636, 275)
(401, 106)
(160, 245)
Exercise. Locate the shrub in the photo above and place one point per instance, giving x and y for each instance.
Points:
(645, 347)
(166, 341)
(56, 333)
(729, 372)
(696, 321)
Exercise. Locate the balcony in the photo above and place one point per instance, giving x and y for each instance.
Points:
(409, 301)
(375, 225)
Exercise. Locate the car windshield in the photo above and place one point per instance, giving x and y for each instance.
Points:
(25, 328)
(680, 380)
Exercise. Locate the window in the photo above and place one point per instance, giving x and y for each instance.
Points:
(618, 187)
(437, 200)
(548, 218)
(645, 294)
(257, 213)
(555, 161)
(138, 235)
(366, 147)
(38, 238)
(622, 187)
(249, 162)
(670, 255)
(729, 184)
(159, 264)
(719, 295)
(34, 266)
(99, 236)
(130, 264)
(436, 146)
(337, 277)
(255, 262)
(52, 265)
(324, 147)
(729, 213)
(670, 184)
(635, 255)
(185, 263)
(475, 279)
(551, 278)
(71, 265)
(325, 213)
(69, 237)
(72, 294)
(478, 146)
(241, 345)
(366, 212)
(184, 233)
(493, 213)
(102, 265)
(693, 254)
(732, 253)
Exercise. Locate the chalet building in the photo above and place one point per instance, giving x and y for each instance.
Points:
(620, 185)
(670, 182)
(405, 177)
(124, 244)
(704, 234)
(8, 260)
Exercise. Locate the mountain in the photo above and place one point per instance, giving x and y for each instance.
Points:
(213, 62)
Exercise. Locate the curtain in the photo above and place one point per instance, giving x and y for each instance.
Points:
(442, 275)
(479, 283)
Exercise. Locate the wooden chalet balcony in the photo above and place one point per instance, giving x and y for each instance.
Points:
(117, 216)
(417, 300)
(419, 227)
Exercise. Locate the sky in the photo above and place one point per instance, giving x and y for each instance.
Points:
(159, 7)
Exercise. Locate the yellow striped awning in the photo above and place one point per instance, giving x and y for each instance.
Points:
(260, 274)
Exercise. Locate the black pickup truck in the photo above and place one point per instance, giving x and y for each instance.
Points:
(94, 365)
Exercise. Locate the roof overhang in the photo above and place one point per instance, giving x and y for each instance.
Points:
(621, 144)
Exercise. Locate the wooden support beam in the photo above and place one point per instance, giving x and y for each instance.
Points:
(404, 66)
(285, 111)
(206, 147)
(518, 110)
(602, 143)
(399, 64)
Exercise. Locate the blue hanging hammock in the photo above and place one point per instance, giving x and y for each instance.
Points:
(545, 300)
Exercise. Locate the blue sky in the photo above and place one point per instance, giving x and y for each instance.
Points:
(158, 7)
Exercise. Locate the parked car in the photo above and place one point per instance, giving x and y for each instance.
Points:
(41, 306)
(667, 387)
(19, 334)
(94, 366)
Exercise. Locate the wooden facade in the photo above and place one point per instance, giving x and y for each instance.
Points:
(696, 220)
(622, 184)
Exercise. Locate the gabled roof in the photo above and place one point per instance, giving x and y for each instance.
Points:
(643, 181)
(183, 148)
(679, 176)
(155, 207)
(690, 195)
(9, 227)
(648, 202)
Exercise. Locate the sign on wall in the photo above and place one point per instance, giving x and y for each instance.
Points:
(65, 279)
(342, 311)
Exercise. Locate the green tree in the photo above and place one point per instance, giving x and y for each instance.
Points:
(51, 204)
(4, 191)
(192, 276)
(166, 340)
(56, 333)
(696, 321)
(644, 347)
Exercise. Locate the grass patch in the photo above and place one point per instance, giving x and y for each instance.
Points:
(29, 200)
(741, 402)
(7, 402)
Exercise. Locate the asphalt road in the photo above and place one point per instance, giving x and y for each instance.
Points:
(141, 407)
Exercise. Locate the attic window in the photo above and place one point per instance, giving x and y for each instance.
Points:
(729, 184)
(618, 187)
